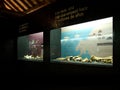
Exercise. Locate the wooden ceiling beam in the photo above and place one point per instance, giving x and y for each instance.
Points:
(25, 6)
(19, 6)
(40, 0)
(27, 3)
(36, 8)
(34, 2)
(22, 4)
(7, 6)
(10, 5)
(31, 3)
(15, 5)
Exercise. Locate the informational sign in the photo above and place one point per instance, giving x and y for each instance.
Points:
(69, 13)
(23, 27)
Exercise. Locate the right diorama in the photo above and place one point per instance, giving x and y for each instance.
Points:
(84, 43)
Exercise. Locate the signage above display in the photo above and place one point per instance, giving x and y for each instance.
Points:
(23, 27)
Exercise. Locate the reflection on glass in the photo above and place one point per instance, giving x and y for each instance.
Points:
(90, 42)
(30, 47)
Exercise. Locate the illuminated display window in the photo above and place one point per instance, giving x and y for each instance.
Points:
(89, 42)
(30, 47)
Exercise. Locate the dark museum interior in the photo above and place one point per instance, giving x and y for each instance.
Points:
(59, 44)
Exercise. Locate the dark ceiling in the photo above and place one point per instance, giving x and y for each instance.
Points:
(22, 7)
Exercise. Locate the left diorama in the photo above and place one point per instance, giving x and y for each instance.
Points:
(30, 47)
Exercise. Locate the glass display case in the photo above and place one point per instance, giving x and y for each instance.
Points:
(30, 47)
(86, 43)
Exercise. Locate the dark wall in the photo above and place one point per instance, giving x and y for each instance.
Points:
(8, 29)
(8, 35)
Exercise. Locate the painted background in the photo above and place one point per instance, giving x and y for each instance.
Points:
(30, 45)
(86, 39)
